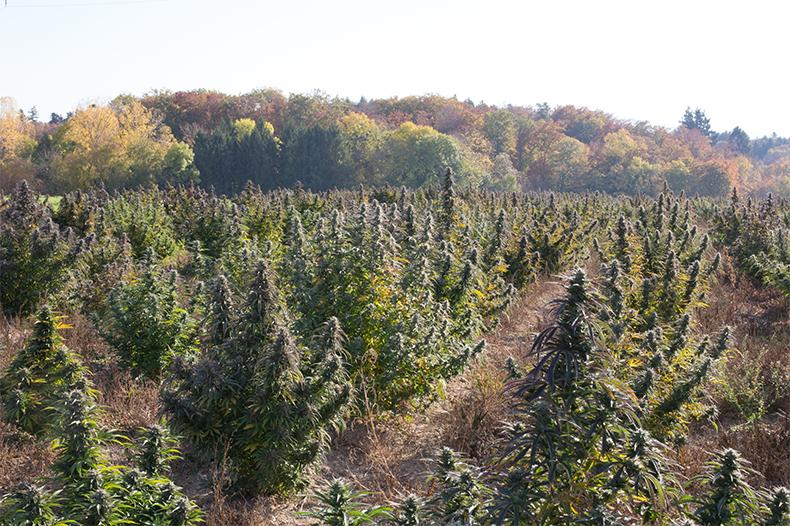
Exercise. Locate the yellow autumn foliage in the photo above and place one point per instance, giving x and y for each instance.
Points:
(118, 145)
(17, 143)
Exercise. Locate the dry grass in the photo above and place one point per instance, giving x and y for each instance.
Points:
(753, 383)
(221, 511)
(765, 444)
(22, 457)
(259, 512)
(13, 332)
(392, 456)
(472, 422)
(127, 404)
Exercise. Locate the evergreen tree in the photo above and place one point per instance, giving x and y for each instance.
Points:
(696, 120)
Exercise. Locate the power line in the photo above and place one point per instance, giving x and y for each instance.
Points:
(88, 3)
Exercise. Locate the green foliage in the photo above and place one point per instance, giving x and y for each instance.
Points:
(90, 490)
(757, 237)
(319, 308)
(211, 226)
(778, 507)
(80, 211)
(313, 157)
(410, 302)
(102, 259)
(414, 155)
(729, 498)
(29, 505)
(144, 220)
(33, 252)
(410, 512)
(261, 396)
(696, 120)
(156, 449)
(145, 323)
(39, 376)
(577, 442)
(340, 505)
(233, 154)
(750, 384)
(462, 496)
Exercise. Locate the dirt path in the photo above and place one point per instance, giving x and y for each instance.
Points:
(388, 458)
(393, 457)
(398, 450)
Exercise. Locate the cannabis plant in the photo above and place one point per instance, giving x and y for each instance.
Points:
(462, 497)
(576, 442)
(778, 507)
(39, 377)
(91, 490)
(34, 253)
(341, 505)
(30, 505)
(146, 323)
(729, 498)
(262, 396)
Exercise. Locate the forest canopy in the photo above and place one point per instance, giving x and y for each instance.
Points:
(321, 142)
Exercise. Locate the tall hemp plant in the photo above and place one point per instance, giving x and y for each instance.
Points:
(34, 253)
(261, 398)
(145, 321)
(39, 377)
(576, 448)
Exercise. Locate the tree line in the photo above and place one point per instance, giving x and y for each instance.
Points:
(320, 142)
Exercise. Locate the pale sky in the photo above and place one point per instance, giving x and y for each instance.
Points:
(635, 59)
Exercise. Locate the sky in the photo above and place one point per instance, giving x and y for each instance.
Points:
(635, 59)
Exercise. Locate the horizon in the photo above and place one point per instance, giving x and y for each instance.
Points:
(636, 63)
